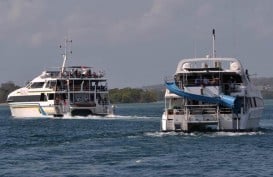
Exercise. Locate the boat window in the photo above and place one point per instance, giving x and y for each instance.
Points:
(61, 85)
(51, 84)
(43, 97)
(194, 79)
(102, 86)
(37, 85)
(85, 85)
(230, 77)
(50, 96)
(28, 98)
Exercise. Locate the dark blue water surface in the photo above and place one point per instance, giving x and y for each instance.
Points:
(130, 144)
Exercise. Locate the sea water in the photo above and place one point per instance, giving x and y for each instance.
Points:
(130, 144)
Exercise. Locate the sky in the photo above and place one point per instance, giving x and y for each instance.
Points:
(136, 42)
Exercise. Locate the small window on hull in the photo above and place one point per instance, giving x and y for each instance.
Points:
(43, 97)
(50, 96)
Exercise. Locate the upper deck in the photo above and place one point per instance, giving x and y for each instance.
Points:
(79, 72)
(77, 77)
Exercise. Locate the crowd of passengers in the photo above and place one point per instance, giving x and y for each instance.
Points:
(205, 81)
(84, 88)
(82, 73)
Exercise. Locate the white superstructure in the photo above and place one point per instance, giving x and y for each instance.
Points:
(71, 91)
(211, 94)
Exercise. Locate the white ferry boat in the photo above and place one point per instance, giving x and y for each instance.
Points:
(70, 91)
(211, 94)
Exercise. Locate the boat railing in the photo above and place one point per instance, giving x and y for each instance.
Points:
(232, 87)
(196, 82)
(201, 82)
(201, 109)
(80, 75)
(79, 88)
(74, 72)
(195, 109)
(226, 87)
(176, 111)
(82, 72)
(225, 111)
(77, 85)
(103, 101)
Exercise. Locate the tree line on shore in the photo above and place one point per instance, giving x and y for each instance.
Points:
(5, 89)
(134, 95)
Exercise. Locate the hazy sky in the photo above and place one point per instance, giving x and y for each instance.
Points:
(136, 42)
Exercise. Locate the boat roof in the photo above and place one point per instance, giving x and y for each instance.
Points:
(195, 65)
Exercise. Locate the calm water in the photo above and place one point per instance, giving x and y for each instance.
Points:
(130, 144)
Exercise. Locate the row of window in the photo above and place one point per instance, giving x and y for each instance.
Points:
(194, 79)
(28, 98)
(58, 97)
(74, 85)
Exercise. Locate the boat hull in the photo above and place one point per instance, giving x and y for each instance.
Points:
(28, 110)
(225, 122)
(31, 110)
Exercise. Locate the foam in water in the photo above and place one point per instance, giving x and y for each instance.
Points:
(68, 116)
(110, 116)
(214, 134)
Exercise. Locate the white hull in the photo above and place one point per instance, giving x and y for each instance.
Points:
(226, 122)
(24, 110)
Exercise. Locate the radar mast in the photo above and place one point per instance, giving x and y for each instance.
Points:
(65, 55)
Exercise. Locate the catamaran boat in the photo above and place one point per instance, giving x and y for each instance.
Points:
(69, 91)
(211, 93)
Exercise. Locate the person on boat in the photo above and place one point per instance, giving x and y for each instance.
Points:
(57, 104)
(231, 83)
(205, 81)
(95, 75)
(88, 73)
(198, 81)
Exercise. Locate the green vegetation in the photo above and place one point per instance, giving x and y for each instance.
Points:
(132, 95)
(5, 89)
(267, 94)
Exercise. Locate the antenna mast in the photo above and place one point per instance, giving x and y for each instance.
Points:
(65, 56)
(213, 44)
